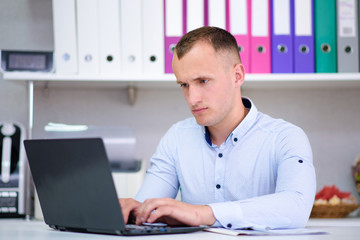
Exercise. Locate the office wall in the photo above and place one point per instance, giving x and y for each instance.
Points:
(330, 116)
(24, 24)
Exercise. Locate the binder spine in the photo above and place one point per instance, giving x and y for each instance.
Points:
(325, 36)
(304, 49)
(282, 12)
(65, 54)
(131, 44)
(109, 37)
(153, 36)
(88, 36)
(347, 36)
(174, 28)
(260, 37)
(238, 22)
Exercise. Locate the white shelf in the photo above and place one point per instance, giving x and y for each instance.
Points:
(87, 78)
(322, 80)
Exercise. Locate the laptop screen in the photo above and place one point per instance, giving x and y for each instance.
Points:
(74, 184)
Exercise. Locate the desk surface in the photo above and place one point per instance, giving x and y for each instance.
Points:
(344, 229)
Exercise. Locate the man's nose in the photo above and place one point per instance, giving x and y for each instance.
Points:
(194, 96)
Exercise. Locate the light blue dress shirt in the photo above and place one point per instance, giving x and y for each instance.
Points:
(262, 176)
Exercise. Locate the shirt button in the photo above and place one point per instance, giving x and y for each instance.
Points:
(229, 225)
(220, 155)
(235, 139)
(218, 186)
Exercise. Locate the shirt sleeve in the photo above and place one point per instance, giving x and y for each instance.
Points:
(291, 203)
(161, 179)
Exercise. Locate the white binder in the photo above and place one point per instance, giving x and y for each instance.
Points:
(109, 36)
(195, 16)
(153, 36)
(131, 39)
(217, 13)
(64, 22)
(88, 36)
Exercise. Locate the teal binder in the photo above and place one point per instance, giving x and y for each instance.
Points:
(325, 36)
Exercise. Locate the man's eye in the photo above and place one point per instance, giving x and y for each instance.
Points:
(183, 85)
(204, 81)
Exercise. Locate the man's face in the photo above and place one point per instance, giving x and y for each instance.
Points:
(206, 79)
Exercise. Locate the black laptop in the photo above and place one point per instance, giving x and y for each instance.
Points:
(76, 189)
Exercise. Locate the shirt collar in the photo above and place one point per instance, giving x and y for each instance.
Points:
(244, 125)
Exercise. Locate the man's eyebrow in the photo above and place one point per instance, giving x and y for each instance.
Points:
(202, 77)
(199, 78)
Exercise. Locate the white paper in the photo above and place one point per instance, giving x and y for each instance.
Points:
(281, 9)
(194, 14)
(346, 14)
(297, 231)
(238, 17)
(217, 12)
(260, 18)
(174, 18)
(303, 17)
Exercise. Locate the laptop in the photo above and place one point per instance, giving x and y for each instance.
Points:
(76, 189)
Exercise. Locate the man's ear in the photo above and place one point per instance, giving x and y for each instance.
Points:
(239, 72)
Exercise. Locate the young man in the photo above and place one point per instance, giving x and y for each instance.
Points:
(235, 167)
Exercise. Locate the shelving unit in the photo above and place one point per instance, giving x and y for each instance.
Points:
(166, 81)
(252, 81)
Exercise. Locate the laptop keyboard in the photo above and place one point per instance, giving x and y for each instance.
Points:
(130, 228)
(141, 227)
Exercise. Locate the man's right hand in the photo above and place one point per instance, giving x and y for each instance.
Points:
(129, 207)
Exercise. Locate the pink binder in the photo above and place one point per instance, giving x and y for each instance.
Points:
(174, 28)
(238, 22)
(260, 61)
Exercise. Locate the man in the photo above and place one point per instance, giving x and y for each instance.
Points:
(235, 167)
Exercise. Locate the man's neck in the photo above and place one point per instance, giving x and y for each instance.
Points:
(220, 132)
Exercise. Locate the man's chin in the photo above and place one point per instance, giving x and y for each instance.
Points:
(202, 122)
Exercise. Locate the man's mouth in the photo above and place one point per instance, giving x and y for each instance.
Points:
(199, 110)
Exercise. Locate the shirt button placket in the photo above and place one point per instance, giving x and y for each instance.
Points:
(219, 176)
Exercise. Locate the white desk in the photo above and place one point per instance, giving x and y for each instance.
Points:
(344, 229)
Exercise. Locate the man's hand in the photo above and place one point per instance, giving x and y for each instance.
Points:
(129, 208)
(174, 212)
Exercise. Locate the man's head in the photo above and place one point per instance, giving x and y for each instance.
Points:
(218, 38)
(208, 68)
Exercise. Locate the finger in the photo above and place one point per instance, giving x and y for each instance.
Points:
(149, 206)
(128, 206)
(159, 213)
(125, 210)
(177, 212)
(172, 214)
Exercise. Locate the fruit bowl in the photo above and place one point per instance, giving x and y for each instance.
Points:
(330, 202)
(333, 211)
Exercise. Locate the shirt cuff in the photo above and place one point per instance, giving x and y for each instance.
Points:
(228, 215)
